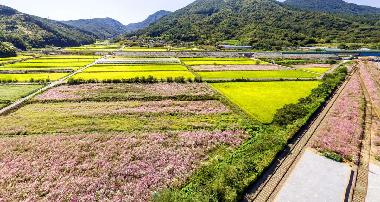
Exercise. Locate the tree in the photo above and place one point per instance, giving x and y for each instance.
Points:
(7, 50)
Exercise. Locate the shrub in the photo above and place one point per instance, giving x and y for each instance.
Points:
(198, 79)
(333, 156)
(180, 79)
(190, 80)
(169, 79)
(290, 113)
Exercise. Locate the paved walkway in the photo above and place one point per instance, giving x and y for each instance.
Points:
(373, 194)
(316, 178)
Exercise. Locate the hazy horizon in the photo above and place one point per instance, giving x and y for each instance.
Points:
(127, 11)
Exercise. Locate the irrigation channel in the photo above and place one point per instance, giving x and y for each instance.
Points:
(61, 81)
(270, 184)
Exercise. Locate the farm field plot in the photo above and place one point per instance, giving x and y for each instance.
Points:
(221, 61)
(32, 77)
(130, 68)
(51, 63)
(123, 60)
(134, 68)
(47, 63)
(262, 99)
(14, 59)
(157, 91)
(115, 150)
(10, 93)
(102, 76)
(289, 74)
(237, 67)
(312, 66)
(120, 116)
(318, 70)
(46, 68)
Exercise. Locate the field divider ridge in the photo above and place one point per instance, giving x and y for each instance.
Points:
(360, 183)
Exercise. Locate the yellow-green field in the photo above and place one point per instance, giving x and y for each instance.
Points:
(221, 61)
(286, 74)
(10, 93)
(8, 59)
(52, 62)
(30, 77)
(135, 68)
(318, 70)
(262, 99)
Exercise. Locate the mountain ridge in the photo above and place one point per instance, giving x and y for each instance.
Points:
(103, 28)
(148, 21)
(27, 31)
(264, 24)
(333, 6)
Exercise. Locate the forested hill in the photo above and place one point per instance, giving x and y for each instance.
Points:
(333, 6)
(103, 28)
(26, 31)
(265, 24)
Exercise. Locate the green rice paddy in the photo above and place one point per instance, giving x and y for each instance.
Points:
(221, 61)
(286, 74)
(262, 99)
(135, 68)
(46, 68)
(319, 70)
(10, 93)
(30, 77)
(21, 57)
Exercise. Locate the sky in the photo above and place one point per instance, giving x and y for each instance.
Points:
(126, 11)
